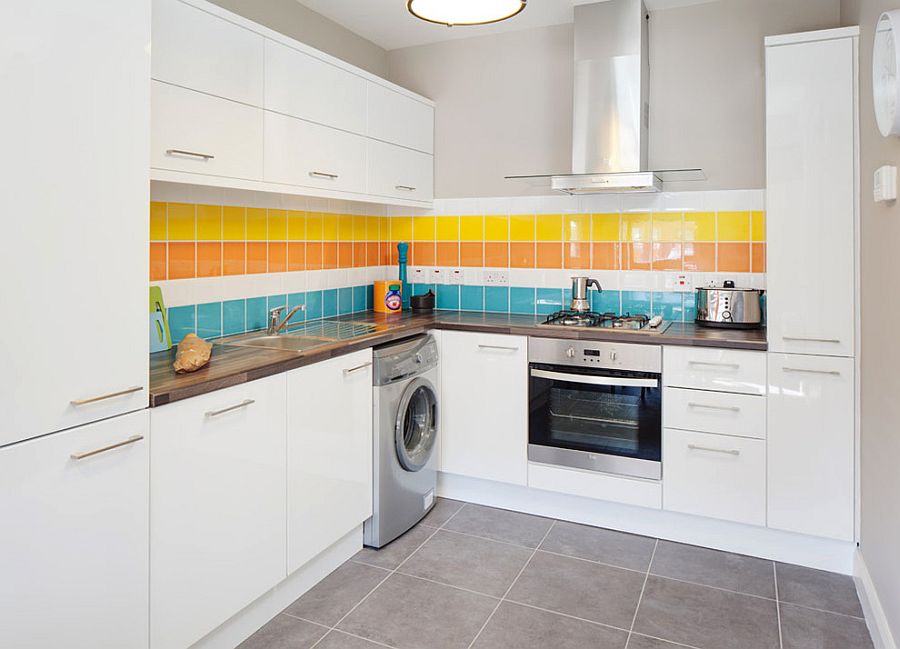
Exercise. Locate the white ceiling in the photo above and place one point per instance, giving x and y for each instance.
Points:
(389, 25)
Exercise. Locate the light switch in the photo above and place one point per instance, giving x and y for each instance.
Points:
(885, 184)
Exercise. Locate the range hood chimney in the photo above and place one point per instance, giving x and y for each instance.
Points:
(610, 123)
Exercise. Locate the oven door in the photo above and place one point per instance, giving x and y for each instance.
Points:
(600, 420)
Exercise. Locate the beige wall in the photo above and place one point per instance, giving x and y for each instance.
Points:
(880, 375)
(504, 102)
(293, 19)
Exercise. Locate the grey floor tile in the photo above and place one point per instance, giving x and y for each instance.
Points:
(443, 509)
(598, 544)
(579, 588)
(713, 568)
(643, 642)
(706, 617)
(817, 589)
(284, 632)
(500, 525)
(397, 551)
(518, 627)
(803, 628)
(411, 613)
(331, 599)
(339, 640)
(468, 562)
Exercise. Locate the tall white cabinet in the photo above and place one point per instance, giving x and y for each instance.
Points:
(812, 204)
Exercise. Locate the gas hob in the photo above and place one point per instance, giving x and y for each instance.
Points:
(612, 321)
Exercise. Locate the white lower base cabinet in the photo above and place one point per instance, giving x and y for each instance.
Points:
(217, 524)
(73, 545)
(811, 444)
(719, 476)
(329, 453)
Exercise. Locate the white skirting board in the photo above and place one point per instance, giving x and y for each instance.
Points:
(242, 625)
(824, 554)
(876, 620)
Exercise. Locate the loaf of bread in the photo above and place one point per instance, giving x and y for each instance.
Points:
(193, 353)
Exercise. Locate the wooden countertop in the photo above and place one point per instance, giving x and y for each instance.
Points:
(233, 365)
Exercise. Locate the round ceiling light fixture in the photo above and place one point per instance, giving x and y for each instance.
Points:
(464, 12)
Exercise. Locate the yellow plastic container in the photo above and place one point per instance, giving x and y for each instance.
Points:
(388, 296)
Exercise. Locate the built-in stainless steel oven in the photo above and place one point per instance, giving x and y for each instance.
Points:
(596, 406)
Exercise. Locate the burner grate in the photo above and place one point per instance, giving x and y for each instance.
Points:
(595, 319)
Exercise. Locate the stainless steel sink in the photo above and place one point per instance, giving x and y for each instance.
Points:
(285, 342)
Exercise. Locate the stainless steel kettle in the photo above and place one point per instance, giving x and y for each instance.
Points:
(580, 301)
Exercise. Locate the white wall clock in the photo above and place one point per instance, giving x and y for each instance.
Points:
(885, 66)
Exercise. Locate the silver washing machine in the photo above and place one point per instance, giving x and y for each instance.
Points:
(406, 429)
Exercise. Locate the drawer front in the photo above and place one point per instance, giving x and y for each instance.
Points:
(714, 475)
(200, 134)
(724, 413)
(396, 118)
(724, 370)
(599, 486)
(400, 173)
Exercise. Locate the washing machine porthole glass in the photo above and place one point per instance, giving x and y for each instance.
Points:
(416, 428)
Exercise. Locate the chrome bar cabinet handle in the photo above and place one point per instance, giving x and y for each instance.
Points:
(104, 397)
(726, 451)
(499, 348)
(405, 188)
(812, 340)
(712, 364)
(104, 449)
(237, 406)
(709, 406)
(322, 174)
(190, 154)
(805, 371)
(351, 370)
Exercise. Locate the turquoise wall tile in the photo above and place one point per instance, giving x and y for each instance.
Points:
(329, 303)
(297, 299)
(233, 317)
(275, 301)
(359, 299)
(345, 300)
(182, 321)
(313, 305)
(567, 298)
(521, 300)
(209, 320)
(256, 313)
(496, 299)
(548, 300)
(689, 304)
(606, 301)
(471, 298)
(447, 297)
(370, 297)
(668, 305)
(636, 302)
(422, 289)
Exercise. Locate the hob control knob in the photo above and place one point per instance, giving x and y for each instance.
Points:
(612, 356)
(570, 352)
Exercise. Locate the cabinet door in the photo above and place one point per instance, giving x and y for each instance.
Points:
(399, 119)
(303, 86)
(307, 154)
(484, 380)
(811, 445)
(811, 181)
(74, 325)
(195, 49)
(329, 452)
(201, 134)
(74, 540)
(396, 172)
(217, 526)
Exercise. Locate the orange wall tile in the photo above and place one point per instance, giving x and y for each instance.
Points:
(522, 254)
(359, 254)
(606, 256)
(257, 257)
(733, 258)
(277, 256)
(157, 261)
(345, 254)
(576, 255)
(700, 256)
(209, 258)
(667, 256)
(496, 254)
(314, 255)
(637, 255)
(758, 258)
(296, 255)
(423, 253)
(471, 254)
(181, 260)
(548, 255)
(447, 253)
(233, 258)
(329, 255)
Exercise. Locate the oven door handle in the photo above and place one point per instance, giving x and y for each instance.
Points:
(595, 380)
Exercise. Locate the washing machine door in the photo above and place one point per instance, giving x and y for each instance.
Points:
(415, 433)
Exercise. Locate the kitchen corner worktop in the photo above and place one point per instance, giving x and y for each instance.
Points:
(232, 364)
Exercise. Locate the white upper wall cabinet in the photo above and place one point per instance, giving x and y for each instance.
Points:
(811, 196)
(400, 120)
(194, 49)
(398, 172)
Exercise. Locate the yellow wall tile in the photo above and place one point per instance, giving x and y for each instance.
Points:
(423, 228)
(636, 227)
(471, 228)
(233, 223)
(605, 227)
(401, 228)
(699, 226)
(315, 224)
(373, 228)
(359, 227)
(257, 224)
(447, 228)
(496, 228)
(549, 227)
(577, 227)
(733, 226)
(329, 227)
(384, 228)
(157, 221)
(667, 226)
(758, 227)
(209, 222)
(181, 219)
(345, 227)
(278, 225)
(521, 227)
(296, 229)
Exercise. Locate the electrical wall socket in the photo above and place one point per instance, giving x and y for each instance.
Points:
(417, 276)
(454, 276)
(496, 277)
(438, 276)
(679, 282)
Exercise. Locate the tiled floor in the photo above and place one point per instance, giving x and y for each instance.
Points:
(473, 576)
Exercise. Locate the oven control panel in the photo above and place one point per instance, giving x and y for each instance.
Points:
(599, 354)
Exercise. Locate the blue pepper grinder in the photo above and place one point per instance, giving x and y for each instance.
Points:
(402, 249)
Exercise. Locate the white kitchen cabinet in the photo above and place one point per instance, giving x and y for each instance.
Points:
(484, 392)
(811, 445)
(396, 172)
(195, 49)
(201, 134)
(329, 453)
(74, 539)
(718, 476)
(811, 135)
(301, 85)
(400, 119)
(302, 153)
(217, 525)
(595, 485)
(723, 370)
(724, 413)
(74, 334)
